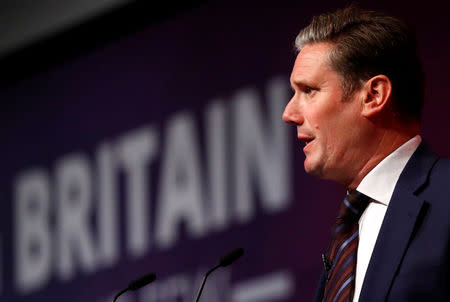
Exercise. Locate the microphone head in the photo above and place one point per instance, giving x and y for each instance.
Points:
(231, 257)
(142, 281)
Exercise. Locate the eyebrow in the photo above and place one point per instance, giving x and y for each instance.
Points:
(301, 83)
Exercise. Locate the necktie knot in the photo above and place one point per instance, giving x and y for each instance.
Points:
(353, 206)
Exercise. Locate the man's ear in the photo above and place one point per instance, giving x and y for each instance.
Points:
(377, 95)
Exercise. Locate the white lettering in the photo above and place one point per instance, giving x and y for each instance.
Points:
(136, 150)
(180, 197)
(260, 150)
(108, 226)
(216, 152)
(33, 239)
(246, 155)
(74, 215)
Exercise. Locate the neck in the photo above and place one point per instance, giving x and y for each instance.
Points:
(384, 143)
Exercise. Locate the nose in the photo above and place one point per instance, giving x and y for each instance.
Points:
(292, 113)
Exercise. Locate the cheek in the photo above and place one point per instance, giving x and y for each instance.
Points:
(340, 137)
(333, 133)
(324, 116)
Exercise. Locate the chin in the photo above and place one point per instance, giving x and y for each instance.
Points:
(311, 169)
(315, 167)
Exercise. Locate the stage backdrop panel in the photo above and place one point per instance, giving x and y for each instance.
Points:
(163, 150)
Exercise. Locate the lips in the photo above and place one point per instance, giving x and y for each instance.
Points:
(305, 139)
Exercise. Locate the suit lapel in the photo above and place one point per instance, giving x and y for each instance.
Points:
(391, 244)
(397, 227)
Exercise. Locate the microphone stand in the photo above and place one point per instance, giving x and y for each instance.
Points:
(120, 293)
(224, 261)
(204, 281)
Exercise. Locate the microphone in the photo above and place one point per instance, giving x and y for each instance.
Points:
(137, 284)
(231, 257)
(224, 261)
(326, 264)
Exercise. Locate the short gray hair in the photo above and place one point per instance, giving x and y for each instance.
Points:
(367, 43)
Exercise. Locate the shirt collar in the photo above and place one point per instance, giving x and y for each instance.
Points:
(379, 183)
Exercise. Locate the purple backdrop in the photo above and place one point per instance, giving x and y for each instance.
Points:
(175, 112)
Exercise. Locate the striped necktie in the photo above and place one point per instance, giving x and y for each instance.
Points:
(341, 260)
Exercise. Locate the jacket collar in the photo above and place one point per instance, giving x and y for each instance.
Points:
(398, 224)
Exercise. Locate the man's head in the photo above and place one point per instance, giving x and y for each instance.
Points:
(358, 92)
(365, 44)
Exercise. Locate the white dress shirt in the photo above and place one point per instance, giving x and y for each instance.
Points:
(379, 185)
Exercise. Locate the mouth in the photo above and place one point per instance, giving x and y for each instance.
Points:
(306, 139)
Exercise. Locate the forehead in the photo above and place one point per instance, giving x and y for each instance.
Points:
(311, 62)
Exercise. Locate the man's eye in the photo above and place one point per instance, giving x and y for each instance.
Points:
(308, 90)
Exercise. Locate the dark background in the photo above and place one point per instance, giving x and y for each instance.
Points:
(140, 64)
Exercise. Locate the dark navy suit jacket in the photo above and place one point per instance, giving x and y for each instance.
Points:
(410, 260)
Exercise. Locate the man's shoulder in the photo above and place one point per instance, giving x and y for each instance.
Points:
(443, 164)
(437, 188)
(429, 162)
(440, 173)
(431, 175)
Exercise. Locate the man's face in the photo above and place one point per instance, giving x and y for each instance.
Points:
(325, 122)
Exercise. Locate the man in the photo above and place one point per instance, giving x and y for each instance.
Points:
(358, 96)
